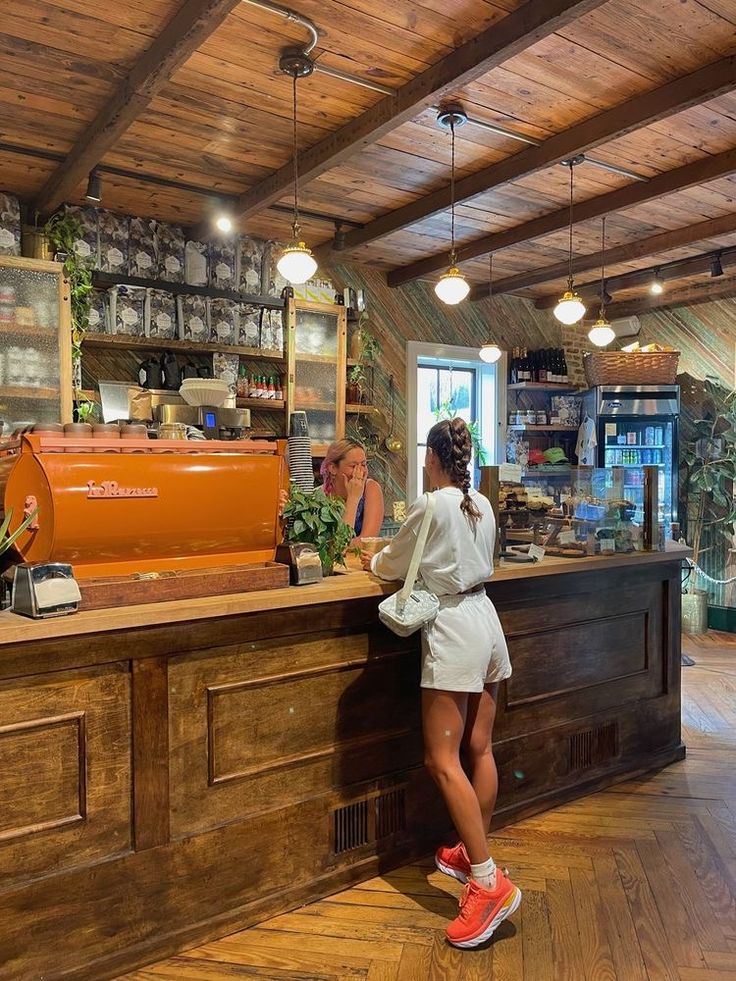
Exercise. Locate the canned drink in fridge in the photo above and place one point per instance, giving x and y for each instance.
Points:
(658, 436)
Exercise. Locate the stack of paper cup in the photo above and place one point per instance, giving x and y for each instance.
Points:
(300, 452)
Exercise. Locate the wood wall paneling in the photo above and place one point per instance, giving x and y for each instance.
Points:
(245, 731)
(65, 771)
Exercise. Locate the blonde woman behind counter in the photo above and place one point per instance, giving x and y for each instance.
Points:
(345, 474)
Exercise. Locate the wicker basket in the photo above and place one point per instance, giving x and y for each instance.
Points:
(637, 368)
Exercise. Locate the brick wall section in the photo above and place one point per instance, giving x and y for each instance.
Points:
(576, 344)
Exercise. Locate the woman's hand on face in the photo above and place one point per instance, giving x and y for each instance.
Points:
(365, 559)
(356, 483)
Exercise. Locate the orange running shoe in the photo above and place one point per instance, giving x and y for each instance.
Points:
(453, 861)
(482, 910)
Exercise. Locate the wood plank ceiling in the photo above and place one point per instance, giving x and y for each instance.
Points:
(214, 120)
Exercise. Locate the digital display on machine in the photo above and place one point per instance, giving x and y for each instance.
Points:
(209, 420)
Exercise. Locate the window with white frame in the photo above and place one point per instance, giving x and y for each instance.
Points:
(444, 381)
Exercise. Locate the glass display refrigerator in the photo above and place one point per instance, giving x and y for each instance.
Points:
(636, 426)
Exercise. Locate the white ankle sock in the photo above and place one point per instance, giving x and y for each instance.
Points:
(485, 874)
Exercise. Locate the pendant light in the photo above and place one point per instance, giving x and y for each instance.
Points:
(570, 308)
(296, 263)
(490, 352)
(601, 333)
(452, 286)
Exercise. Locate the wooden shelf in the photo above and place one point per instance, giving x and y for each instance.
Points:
(262, 405)
(330, 359)
(32, 394)
(541, 387)
(15, 331)
(543, 429)
(313, 406)
(358, 408)
(101, 280)
(133, 342)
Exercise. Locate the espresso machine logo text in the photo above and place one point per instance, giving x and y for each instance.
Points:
(111, 488)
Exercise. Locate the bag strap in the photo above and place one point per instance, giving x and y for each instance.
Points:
(416, 557)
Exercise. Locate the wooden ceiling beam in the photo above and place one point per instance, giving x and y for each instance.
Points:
(190, 26)
(516, 32)
(655, 244)
(698, 172)
(666, 301)
(670, 272)
(642, 110)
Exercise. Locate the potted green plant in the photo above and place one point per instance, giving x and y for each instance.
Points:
(63, 231)
(316, 518)
(710, 474)
(7, 538)
(368, 347)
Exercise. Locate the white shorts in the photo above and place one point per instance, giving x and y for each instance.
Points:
(464, 649)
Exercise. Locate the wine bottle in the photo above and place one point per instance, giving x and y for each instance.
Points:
(542, 365)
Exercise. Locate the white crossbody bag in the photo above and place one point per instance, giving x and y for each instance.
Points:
(413, 606)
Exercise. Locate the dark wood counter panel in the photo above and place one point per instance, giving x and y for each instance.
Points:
(170, 775)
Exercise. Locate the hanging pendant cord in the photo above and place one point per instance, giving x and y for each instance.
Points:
(569, 277)
(490, 297)
(296, 169)
(603, 269)
(452, 195)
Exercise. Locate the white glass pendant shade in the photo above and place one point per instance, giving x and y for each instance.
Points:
(570, 308)
(452, 286)
(224, 223)
(601, 333)
(657, 286)
(296, 263)
(490, 353)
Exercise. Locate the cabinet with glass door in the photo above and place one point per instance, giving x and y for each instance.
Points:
(317, 359)
(35, 344)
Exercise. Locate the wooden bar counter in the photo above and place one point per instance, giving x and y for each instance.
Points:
(172, 772)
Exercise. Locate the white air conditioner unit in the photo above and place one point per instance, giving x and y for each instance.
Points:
(626, 326)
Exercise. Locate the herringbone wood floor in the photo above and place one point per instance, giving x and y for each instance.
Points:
(633, 883)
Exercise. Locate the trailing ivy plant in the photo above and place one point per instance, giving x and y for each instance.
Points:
(316, 518)
(370, 348)
(63, 231)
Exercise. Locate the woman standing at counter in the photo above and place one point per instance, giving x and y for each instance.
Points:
(464, 657)
(345, 474)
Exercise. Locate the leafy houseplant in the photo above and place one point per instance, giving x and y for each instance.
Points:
(316, 518)
(63, 231)
(710, 462)
(369, 349)
(9, 538)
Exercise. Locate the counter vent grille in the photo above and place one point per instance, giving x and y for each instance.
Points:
(391, 813)
(350, 826)
(593, 746)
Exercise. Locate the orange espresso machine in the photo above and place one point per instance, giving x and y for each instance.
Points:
(119, 507)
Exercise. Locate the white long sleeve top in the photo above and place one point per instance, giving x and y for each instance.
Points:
(458, 554)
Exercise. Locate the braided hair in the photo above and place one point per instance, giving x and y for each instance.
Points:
(450, 441)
